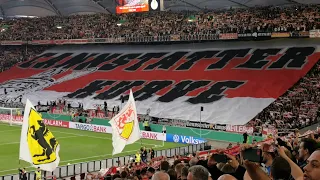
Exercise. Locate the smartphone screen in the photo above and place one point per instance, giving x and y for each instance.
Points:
(253, 155)
(220, 158)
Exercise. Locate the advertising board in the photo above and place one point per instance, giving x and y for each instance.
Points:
(184, 139)
(127, 6)
(239, 129)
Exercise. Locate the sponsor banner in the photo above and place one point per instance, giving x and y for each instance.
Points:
(304, 34)
(108, 130)
(124, 6)
(19, 120)
(153, 135)
(62, 41)
(195, 124)
(100, 40)
(15, 119)
(184, 139)
(90, 127)
(263, 34)
(315, 33)
(239, 129)
(280, 35)
(175, 37)
(56, 123)
(228, 36)
(220, 127)
(254, 35)
(245, 35)
(299, 34)
(12, 42)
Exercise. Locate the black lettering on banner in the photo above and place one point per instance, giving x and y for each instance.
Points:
(166, 62)
(122, 60)
(90, 89)
(149, 90)
(102, 58)
(29, 63)
(143, 59)
(181, 89)
(51, 62)
(193, 58)
(75, 60)
(293, 58)
(258, 58)
(118, 89)
(215, 93)
(227, 56)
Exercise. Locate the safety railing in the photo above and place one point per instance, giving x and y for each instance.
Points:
(94, 166)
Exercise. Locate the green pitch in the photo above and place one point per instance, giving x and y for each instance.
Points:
(75, 146)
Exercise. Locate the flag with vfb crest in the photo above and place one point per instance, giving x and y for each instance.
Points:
(125, 126)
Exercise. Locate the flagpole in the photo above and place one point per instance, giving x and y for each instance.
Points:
(201, 109)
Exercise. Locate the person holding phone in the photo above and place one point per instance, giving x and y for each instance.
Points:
(268, 155)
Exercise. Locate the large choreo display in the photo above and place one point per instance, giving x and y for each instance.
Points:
(233, 85)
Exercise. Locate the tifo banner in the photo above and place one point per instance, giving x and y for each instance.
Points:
(232, 85)
(315, 33)
(184, 139)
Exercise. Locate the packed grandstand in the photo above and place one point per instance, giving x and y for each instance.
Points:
(270, 87)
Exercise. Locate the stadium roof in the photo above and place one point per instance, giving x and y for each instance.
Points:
(69, 7)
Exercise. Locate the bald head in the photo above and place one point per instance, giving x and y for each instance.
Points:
(160, 176)
(226, 177)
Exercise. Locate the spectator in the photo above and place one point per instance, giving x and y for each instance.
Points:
(226, 177)
(160, 176)
(144, 154)
(152, 153)
(268, 156)
(198, 172)
(280, 169)
(138, 157)
(312, 168)
(150, 172)
(229, 146)
(164, 166)
(172, 174)
(184, 173)
(306, 148)
(178, 169)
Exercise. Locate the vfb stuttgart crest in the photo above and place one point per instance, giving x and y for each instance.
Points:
(125, 122)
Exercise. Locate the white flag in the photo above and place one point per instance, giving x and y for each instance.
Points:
(38, 146)
(125, 126)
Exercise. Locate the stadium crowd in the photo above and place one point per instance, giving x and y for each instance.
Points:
(279, 158)
(257, 19)
(297, 108)
(11, 55)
